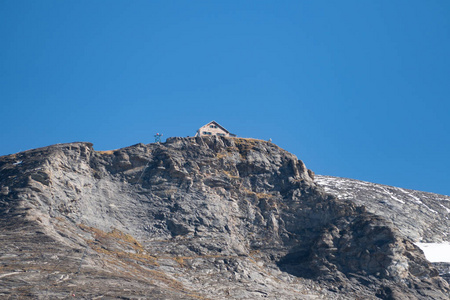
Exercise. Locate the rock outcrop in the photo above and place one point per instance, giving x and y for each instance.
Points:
(194, 218)
(420, 216)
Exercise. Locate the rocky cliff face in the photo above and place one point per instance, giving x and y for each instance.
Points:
(420, 216)
(194, 218)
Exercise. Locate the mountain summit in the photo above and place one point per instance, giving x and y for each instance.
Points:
(194, 218)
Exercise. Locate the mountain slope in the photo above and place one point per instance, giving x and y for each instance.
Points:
(421, 216)
(193, 218)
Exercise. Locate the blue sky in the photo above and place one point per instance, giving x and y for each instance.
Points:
(357, 89)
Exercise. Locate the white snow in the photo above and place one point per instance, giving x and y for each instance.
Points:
(392, 195)
(17, 163)
(416, 199)
(436, 252)
(8, 274)
(448, 210)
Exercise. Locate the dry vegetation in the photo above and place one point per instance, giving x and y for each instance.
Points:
(123, 246)
(258, 195)
(108, 152)
(116, 235)
(231, 175)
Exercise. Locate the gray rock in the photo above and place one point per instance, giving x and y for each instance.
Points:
(217, 218)
(421, 216)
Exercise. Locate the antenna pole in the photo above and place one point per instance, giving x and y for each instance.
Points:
(158, 137)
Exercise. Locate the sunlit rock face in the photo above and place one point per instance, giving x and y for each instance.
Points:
(217, 218)
(420, 216)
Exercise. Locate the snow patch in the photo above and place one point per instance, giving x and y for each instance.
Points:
(436, 252)
(391, 195)
(17, 163)
(448, 210)
(416, 199)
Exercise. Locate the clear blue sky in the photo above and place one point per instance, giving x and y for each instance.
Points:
(357, 89)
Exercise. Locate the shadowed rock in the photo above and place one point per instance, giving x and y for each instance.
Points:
(218, 218)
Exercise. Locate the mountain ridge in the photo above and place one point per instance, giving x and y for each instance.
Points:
(219, 218)
(430, 210)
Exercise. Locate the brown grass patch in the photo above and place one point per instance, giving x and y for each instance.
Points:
(107, 152)
(131, 250)
(258, 195)
(221, 155)
(231, 175)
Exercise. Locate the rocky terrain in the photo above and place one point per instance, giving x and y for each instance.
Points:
(196, 218)
(422, 217)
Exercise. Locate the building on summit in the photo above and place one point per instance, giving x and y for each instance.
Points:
(213, 128)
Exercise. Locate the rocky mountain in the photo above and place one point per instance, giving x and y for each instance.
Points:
(420, 216)
(196, 218)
